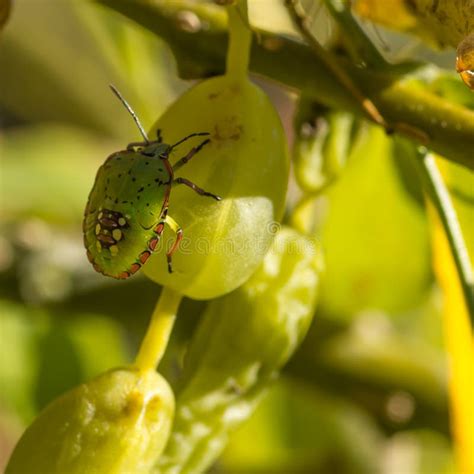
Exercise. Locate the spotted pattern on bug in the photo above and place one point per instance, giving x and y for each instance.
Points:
(107, 230)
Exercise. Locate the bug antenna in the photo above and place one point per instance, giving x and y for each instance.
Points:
(131, 112)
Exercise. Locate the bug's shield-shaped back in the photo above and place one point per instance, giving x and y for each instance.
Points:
(123, 212)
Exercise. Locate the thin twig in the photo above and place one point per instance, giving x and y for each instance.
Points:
(302, 22)
(441, 199)
(355, 38)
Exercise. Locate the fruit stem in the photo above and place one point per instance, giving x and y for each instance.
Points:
(240, 40)
(158, 333)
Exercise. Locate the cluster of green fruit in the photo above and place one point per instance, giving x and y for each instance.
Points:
(263, 286)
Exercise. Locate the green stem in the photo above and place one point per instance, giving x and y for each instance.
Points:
(441, 199)
(448, 126)
(240, 40)
(302, 23)
(158, 333)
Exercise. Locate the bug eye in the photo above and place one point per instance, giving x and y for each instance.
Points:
(140, 148)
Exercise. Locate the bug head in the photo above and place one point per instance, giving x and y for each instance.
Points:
(156, 149)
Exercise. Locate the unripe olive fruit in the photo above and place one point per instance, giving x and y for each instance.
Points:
(246, 164)
(117, 423)
(321, 148)
(241, 342)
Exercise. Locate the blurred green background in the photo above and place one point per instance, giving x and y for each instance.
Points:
(365, 393)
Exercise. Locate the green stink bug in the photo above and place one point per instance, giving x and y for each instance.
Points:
(127, 207)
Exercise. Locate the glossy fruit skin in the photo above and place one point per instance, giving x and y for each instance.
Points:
(117, 423)
(127, 208)
(247, 164)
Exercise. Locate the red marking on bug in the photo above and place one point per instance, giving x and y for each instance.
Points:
(144, 256)
(134, 268)
(153, 243)
(159, 228)
(123, 275)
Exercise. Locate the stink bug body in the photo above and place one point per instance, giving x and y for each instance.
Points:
(127, 208)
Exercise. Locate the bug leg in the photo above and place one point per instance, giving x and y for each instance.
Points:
(196, 188)
(199, 134)
(179, 235)
(191, 153)
(159, 138)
